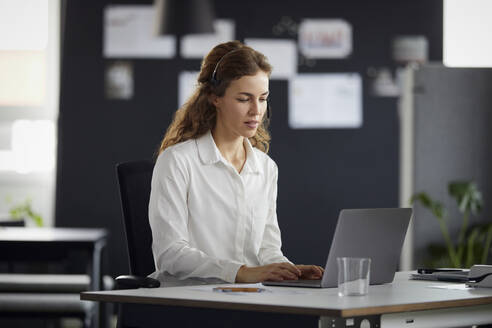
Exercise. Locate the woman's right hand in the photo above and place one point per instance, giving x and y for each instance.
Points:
(273, 272)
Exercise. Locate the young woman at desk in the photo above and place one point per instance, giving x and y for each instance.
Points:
(213, 202)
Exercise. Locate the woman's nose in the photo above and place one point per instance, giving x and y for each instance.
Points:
(255, 108)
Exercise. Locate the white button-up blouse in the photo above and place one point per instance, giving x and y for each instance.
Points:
(208, 220)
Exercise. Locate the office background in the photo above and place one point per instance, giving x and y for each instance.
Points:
(320, 171)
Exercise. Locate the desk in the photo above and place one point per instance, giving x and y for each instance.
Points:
(402, 303)
(24, 244)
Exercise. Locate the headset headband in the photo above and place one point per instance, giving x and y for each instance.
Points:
(213, 78)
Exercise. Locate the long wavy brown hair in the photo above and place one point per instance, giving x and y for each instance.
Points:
(198, 114)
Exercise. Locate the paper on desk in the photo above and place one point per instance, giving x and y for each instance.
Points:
(267, 290)
(453, 286)
(129, 32)
(331, 100)
(281, 54)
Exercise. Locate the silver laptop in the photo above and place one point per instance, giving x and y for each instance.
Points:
(374, 233)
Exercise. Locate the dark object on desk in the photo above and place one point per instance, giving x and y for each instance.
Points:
(132, 282)
(449, 276)
(422, 271)
(12, 223)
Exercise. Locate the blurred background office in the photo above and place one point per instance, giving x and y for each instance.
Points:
(367, 110)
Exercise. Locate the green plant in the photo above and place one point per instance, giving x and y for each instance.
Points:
(473, 244)
(24, 211)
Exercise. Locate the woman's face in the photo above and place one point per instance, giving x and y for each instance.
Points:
(240, 110)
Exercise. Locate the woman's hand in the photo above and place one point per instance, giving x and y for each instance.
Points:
(310, 271)
(272, 272)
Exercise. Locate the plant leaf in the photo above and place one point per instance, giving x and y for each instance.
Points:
(423, 198)
(486, 245)
(435, 207)
(467, 196)
(24, 211)
(470, 243)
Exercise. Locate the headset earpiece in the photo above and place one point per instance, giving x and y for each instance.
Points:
(213, 79)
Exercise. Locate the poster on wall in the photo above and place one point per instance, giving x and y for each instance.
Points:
(187, 83)
(118, 80)
(325, 100)
(281, 54)
(325, 38)
(199, 45)
(129, 33)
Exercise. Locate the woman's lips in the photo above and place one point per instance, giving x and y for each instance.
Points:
(251, 124)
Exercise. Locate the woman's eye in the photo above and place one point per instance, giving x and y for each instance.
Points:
(263, 99)
(242, 100)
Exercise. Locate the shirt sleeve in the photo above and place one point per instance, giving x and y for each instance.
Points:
(270, 249)
(168, 217)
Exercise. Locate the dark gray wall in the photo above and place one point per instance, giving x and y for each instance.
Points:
(452, 142)
(321, 171)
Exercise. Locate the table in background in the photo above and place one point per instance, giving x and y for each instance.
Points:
(403, 303)
(38, 244)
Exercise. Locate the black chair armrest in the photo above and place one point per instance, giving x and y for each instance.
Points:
(133, 282)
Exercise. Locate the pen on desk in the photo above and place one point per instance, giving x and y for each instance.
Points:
(239, 289)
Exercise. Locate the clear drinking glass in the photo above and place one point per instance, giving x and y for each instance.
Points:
(353, 276)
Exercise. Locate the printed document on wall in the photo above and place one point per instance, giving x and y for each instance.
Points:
(318, 101)
(187, 83)
(129, 32)
(325, 38)
(199, 45)
(281, 54)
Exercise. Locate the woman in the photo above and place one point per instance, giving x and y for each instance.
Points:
(213, 201)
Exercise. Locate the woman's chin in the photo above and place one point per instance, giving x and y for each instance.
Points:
(249, 134)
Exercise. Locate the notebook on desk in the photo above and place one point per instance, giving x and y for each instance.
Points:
(374, 233)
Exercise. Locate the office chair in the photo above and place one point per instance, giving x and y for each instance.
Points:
(134, 180)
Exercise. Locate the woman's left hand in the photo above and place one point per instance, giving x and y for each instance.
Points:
(310, 271)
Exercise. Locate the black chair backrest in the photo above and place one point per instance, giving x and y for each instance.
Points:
(134, 180)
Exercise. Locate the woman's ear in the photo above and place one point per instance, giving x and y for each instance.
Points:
(214, 100)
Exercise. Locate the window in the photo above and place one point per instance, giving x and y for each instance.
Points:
(29, 88)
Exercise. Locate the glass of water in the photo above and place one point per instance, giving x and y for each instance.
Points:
(353, 276)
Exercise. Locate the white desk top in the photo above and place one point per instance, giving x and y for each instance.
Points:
(50, 234)
(402, 295)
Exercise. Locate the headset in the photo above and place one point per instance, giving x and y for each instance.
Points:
(215, 82)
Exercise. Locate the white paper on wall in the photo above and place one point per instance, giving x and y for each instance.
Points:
(281, 54)
(129, 32)
(199, 45)
(325, 38)
(331, 100)
(187, 83)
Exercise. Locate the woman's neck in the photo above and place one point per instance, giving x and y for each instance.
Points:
(231, 147)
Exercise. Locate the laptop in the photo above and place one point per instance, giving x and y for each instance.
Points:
(374, 233)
